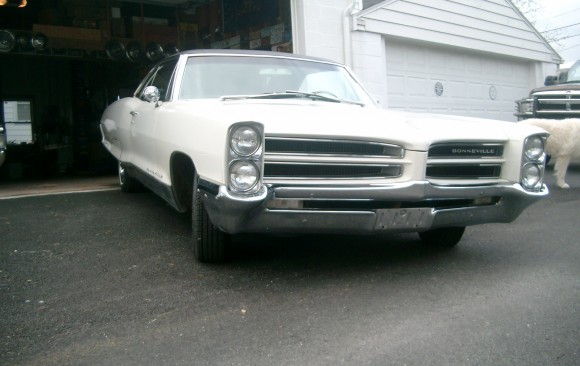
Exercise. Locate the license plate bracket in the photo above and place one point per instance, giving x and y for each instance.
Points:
(404, 218)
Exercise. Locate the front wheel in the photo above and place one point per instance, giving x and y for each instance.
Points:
(447, 237)
(128, 183)
(209, 242)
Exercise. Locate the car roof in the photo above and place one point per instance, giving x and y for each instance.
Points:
(257, 53)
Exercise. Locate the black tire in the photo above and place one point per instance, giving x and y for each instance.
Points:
(447, 237)
(209, 243)
(128, 184)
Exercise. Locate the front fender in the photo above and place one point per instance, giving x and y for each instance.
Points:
(200, 136)
(116, 128)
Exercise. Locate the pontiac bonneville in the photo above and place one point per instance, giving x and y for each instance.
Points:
(264, 142)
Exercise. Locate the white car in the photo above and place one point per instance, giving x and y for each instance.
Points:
(263, 142)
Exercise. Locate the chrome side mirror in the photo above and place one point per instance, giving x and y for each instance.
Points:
(151, 94)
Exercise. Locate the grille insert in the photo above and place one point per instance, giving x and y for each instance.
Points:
(469, 171)
(465, 150)
(297, 146)
(329, 171)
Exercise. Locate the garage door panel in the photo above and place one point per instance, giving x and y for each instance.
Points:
(457, 89)
(475, 91)
(417, 57)
(417, 86)
(437, 60)
(456, 65)
(473, 65)
(396, 85)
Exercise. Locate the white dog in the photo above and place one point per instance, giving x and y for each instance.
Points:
(562, 145)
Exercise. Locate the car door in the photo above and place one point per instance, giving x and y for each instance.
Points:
(145, 117)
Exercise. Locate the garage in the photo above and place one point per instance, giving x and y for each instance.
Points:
(425, 78)
(471, 58)
(64, 61)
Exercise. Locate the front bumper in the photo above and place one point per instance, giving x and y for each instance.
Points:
(412, 206)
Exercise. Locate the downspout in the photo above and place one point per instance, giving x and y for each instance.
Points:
(354, 7)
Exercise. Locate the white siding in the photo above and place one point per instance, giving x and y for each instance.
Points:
(369, 63)
(493, 26)
(318, 28)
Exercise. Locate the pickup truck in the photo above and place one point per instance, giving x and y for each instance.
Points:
(558, 99)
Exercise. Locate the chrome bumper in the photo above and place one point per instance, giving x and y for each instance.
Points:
(236, 215)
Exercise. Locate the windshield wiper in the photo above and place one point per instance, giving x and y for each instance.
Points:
(292, 94)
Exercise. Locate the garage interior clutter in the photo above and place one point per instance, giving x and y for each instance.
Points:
(64, 61)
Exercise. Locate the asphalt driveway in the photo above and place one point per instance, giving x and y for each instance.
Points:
(106, 278)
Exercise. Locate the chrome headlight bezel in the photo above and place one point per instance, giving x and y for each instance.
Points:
(245, 140)
(532, 176)
(245, 154)
(533, 162)
(244, 175)
(534, 148)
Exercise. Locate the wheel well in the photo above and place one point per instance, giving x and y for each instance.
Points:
(182, 173)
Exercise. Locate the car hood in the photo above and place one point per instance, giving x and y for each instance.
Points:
(333, 120)
(559, 87)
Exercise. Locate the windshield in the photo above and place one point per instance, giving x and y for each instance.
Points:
(574, 73)
(218, 76)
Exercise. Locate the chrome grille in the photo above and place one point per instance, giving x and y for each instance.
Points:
(465, 161)
(557, 106)
(303, 159)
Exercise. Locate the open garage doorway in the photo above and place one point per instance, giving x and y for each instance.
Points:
(66, 60)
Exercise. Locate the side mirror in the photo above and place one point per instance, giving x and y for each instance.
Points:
(151, 94)
(563, 77)
(550, 80)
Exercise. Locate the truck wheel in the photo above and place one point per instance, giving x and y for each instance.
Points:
(209, 242)
(128, 184)
(445, 237)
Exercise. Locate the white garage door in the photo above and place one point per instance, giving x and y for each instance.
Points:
(425, 78)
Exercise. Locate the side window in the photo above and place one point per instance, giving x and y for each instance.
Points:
(161, 78)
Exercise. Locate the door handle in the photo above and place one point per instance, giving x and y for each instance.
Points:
(133, 113)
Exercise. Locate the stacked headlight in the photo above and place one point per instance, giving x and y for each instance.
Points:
(533, 162)
(246, 141)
